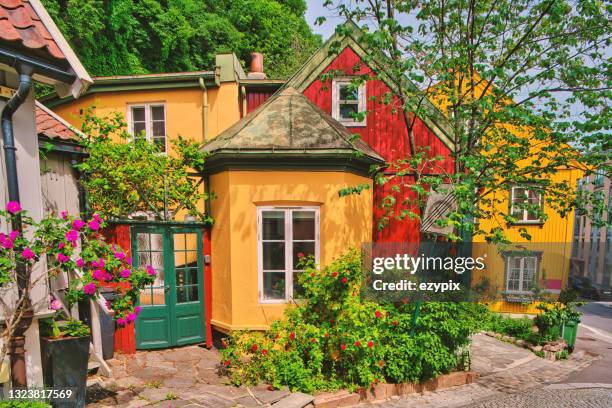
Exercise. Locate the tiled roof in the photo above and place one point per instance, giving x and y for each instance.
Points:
(51, 125)
(22, 27)
(289, 122)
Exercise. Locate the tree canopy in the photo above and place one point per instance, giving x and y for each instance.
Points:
(525, 86)
(113, 37)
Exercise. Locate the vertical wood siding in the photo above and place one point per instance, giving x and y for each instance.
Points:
(256, 98)
(386, 132)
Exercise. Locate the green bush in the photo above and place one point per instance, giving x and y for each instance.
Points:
(519, 328)
(336, 339)
(23, 404)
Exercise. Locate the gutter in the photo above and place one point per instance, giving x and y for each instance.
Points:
(17, 339)
(204, 108)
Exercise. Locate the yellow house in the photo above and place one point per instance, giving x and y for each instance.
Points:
(278, 173)
(197, 105)
(527, 269)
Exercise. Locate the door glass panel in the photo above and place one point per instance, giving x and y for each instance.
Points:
(149, 248)
(186, 267)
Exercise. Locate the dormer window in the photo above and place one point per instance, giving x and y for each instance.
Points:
(348, 100)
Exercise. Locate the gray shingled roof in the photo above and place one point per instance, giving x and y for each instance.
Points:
(289, 122)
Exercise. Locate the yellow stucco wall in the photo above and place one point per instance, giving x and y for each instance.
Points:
(344, 222)
(183, 108)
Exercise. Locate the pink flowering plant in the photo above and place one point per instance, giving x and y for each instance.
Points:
(72, 244)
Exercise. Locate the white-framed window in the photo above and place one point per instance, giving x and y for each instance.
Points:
(521, 273)
(284, 235)
(347, 101)
(148, 120)
(522, 204)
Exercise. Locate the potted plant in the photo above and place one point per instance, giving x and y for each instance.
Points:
(65, 354)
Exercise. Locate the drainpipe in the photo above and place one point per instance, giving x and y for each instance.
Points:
(204, 108)
(245, 106)
(17, 342)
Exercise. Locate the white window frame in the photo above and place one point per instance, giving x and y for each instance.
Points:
(521, 273)
(361, 102)
(148, 121)
(525, 212)
(288, 248)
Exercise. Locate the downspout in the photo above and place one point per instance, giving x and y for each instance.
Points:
(16, 345)
(245, 106)
(204, 108)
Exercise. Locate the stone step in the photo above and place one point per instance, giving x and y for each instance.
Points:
(295, 400)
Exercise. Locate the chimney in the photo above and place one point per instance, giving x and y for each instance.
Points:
(256, 71)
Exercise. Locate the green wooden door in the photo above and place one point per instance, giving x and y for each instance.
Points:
(173, 306)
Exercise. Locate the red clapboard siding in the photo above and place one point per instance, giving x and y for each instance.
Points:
(256, 98)
(386, 132)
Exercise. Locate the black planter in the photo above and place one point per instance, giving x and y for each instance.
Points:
(64, 363)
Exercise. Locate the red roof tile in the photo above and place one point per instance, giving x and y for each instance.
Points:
(20, 25)
(52, 126)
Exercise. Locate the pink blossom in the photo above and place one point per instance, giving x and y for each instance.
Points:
(128, 260)
(120, 255)
(72, 235)
(7, 244)
(121, 321)
(64, 214)
(80, 263)
(62, 258)
(90, 288)
(55, 304)
(98, 274)
(125, 273)
(13, 207)
(78, 224)
(61, 245)
(97, 217)
(13, 235)
(130, 317)
(150, 270)
(94, 225)
(99, 263)
(27, 253)
(137, 310)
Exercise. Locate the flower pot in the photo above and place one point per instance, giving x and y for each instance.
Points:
(64, 363)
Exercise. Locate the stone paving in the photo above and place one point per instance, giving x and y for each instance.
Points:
(178, 377)
(504, 369)
(188, 377)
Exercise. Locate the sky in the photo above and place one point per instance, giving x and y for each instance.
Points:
(316, 9)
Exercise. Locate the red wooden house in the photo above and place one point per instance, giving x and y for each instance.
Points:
(384, 127)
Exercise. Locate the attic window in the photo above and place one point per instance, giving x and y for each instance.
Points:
(348, 100)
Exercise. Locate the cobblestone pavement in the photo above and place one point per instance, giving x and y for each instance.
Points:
(178, 377)
(504, 369)
(546, 398)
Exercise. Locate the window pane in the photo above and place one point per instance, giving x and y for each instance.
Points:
(157, 112)
(303, 225)
(159, 128)
(273, 256)
(274, 285)
(298, 290)
(273, 225)
(305, 248)
(161, 143)
(348, 111)
(138, 114)
(139, 129)
(348, 93)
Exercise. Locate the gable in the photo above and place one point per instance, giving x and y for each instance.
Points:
(321, 61)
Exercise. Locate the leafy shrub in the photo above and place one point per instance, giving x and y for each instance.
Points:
(23, 404)
(336, 339)
(518, 328)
